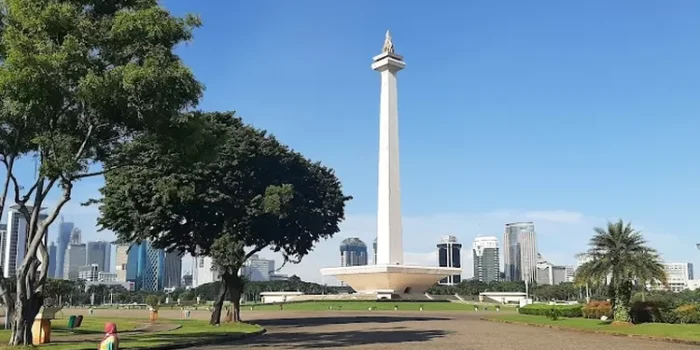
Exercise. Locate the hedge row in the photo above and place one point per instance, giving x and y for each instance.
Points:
(546, 310)
(661, 312)
(640, 312)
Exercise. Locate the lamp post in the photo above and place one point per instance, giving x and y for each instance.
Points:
(527, 292)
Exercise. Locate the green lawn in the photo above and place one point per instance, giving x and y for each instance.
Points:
(365, 305)
(90, 325)
(191, 330)
(663, 330)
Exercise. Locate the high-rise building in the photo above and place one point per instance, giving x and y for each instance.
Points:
(487, 264)
(76, 236)
(570, 273)
(678, 275)
(121, 261)
(106, 277)
(149, 267)
(520, 252)
(99, 253)
(15, 246)
(52, 260)
(187, 280)
(63, 240)
(89, 273)
(204, 271)
(257, 269)
(76, 257)
(3, 239)
(549, 273)
(353, 252)
(374, 249)
(449, 255)
(173, 270)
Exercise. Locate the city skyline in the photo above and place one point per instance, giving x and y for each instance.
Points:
(512, 91)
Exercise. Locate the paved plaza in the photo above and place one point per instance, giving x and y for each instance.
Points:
(405, 330)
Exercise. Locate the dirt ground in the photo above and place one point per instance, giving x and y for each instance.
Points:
(414, 330)
(401, 330)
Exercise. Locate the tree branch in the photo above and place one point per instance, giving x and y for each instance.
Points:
(41, 229)
(94, 173)
(254, 251)
(80, 151)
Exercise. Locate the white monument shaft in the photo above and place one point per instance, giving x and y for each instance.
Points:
(389, 276)
(389, 232)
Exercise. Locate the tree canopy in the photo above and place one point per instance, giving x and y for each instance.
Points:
(79, 80)
(250, 192)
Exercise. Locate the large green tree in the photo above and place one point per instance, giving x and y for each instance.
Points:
(252, 193)
(79, 79)
(620, 254)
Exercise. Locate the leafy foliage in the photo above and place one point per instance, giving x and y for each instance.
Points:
(242, 193)
(153, 301)
(597, 309)
(545, 310)
(688, 313)
(472, 287)
(79, 80)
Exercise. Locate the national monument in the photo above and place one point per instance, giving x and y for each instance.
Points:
(389, 278)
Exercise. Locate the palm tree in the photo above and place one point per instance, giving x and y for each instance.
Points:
(620, 253)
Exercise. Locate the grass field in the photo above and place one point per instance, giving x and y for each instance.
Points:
(92, 327)
(661, 330)
(365, 305)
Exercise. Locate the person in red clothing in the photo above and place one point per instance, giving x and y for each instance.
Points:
(110, 341)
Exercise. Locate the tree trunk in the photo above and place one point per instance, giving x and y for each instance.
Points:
(234, 284)
(621, 312)
(26, 306)
(236, 300)
(218, 305)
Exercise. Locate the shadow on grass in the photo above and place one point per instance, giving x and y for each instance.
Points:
(150, 340)
(340, 339)
(299, 340)
(315, 321)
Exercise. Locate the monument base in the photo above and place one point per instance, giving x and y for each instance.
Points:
(386, 280)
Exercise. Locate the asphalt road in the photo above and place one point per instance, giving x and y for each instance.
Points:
(404, 330)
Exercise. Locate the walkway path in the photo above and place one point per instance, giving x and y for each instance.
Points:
(405, 330)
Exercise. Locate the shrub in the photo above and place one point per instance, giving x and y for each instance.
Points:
(652, 311)
(544, 310)
(689, 313)
(553, 314)
(597, 309)
(153, 301)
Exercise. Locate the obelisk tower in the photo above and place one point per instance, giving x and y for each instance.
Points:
(389, 230)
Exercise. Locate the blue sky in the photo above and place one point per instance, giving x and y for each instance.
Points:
(565, 113)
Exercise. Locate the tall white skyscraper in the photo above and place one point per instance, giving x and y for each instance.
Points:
(121, 261)
(520, 252)
(203, 271)
(678, 275)
(15, 240)
(76, 257)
